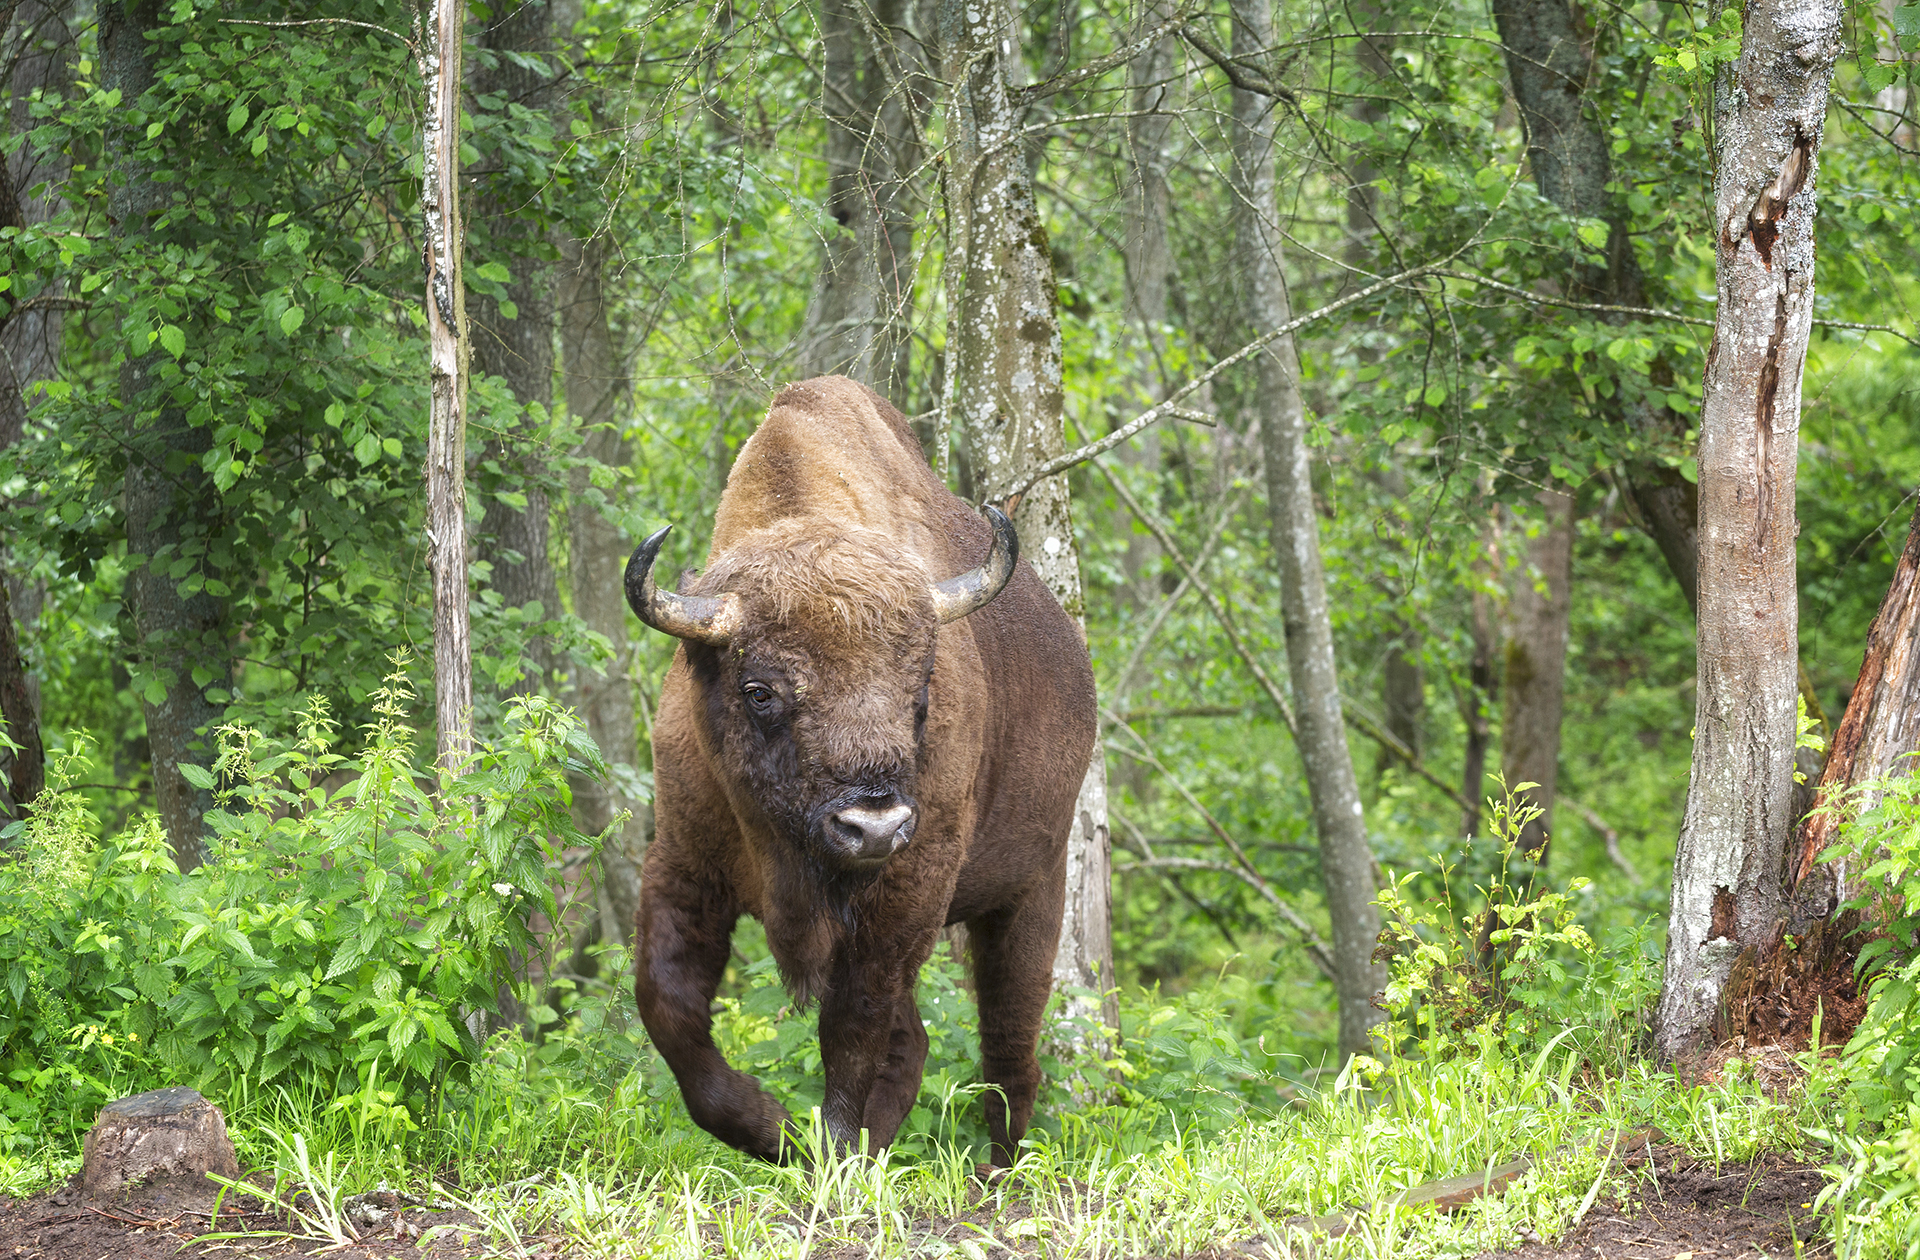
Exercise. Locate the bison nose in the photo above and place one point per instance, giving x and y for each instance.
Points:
(871, 834)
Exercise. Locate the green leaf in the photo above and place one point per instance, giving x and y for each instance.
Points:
(494, 271)
(1594, 233)
(154, 129)
(172, 340)
(237, 118)
(508, 310)
(199, 776)
(260, 143)
(291, 320)
(367, 449)
(1435, 395)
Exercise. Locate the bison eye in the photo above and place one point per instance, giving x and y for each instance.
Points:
(759, 695)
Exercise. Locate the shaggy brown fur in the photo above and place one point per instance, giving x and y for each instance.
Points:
(843, 691)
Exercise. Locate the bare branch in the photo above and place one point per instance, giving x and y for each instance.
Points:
(1100, 65)
(321, 22)
(1243, 76)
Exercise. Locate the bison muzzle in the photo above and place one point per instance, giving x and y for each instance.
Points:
(876, 725)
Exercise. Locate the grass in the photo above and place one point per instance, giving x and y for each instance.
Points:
(620, 1172)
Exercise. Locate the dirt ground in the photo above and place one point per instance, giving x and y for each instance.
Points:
(154, 1222)
(1694, 1211)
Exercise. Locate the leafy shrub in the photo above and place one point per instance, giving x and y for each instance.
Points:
(1874, 1194)
(1520, 967)
(348, 921)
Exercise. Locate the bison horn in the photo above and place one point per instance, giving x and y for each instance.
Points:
(702, 618)
(975, 589)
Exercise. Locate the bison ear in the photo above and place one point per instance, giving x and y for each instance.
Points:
(702, 618)
(975, 589)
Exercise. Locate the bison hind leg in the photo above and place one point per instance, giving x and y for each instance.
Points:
(898, 1084)
(1013, 976)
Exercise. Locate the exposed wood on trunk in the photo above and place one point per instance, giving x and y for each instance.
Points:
(1003, 360)
(597, 389)
(519, 350)
(1534, 689)
(167, 500)
(448, 334)
(1346, 863)
(857, 321)
(1727, 879)
(1881, 725)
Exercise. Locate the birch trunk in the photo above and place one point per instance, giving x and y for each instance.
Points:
(1006, 393)
(513, 540)
(1534, 689)
(447, 333)
(857, 321)
(1346, 863)
(597, 388)
(1727, 876)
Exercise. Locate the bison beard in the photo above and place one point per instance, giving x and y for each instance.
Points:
(875, 726)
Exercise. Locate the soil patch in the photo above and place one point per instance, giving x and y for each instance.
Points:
(1688, 1205)
(154, 1222)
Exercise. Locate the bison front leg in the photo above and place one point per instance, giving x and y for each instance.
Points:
(873, 1047)
(682, 936)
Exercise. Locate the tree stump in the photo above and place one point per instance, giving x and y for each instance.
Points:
(166, 1133)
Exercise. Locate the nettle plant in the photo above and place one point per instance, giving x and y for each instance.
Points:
(1519, 968)
(354, 911)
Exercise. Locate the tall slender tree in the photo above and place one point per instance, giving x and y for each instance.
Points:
(1346, 862)
(1533, 689)
(1769, 109)
(168, 500)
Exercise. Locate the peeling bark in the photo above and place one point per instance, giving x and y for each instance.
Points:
(1346, 862)
(1881, 725)
(1728, 898)
(1007, 393)
(448, 333)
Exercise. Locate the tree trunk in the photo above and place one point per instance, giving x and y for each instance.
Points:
(29, 354)
(1548, 67)
(1727, 876)
(597, 389)
(857, 322)
(447, 332)
(1534, 689)
(1346, 863)
(519, 350)
(1474, 702)
(168, 502)
(1006, 386)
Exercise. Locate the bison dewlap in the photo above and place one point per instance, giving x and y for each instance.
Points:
(162, 1133)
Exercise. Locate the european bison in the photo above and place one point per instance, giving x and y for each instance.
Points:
(876, 725)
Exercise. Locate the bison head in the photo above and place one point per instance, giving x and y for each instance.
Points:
(811, 648)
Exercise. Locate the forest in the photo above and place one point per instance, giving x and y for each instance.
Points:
(1499, 562)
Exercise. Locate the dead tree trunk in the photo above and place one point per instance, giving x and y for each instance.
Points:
(1727, 876)
(597, 388)
(447, 333)
(1880, 727)
(167, 499)
(1534, 689)
(1007, 394)
(857, 321)
(1346, 863)
(519, 350)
